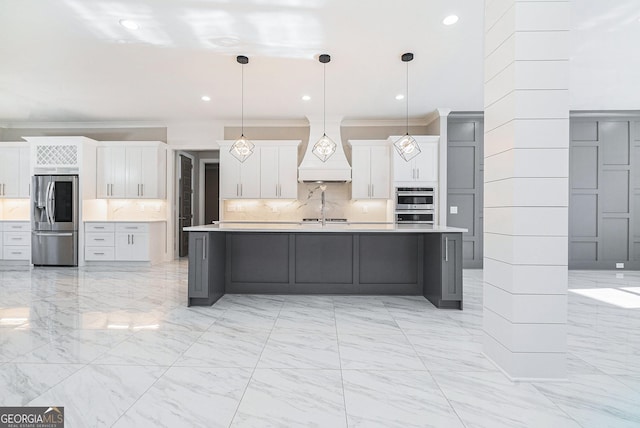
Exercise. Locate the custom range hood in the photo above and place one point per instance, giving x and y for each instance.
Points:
(334, 169)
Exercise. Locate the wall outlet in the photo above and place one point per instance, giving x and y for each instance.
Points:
(453, 210)
(619, 265)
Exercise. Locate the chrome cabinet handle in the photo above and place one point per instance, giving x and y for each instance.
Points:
(418, 169)
(132, 236)
(204, 247)
(446, 249)
(142, 189)
(373, 192)
(128, 239)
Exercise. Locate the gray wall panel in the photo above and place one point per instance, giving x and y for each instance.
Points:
(466, 212)
(584, 251)
(614, 137)
(636, 160)
(463, 176)
(584, 167)
(584, 218)
(584, 131)
(614, 188)
(615, 239)
(636, 210)
(462, 132)
(465, 182)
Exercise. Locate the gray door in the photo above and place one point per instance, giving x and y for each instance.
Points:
(186, 194)
(465, 167)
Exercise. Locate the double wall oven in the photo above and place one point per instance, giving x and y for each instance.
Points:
(415, 205)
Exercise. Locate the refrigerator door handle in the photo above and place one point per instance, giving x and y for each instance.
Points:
(53, 233)
(47, 204)
(53, 202)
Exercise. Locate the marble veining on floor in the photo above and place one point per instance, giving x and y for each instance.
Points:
(119, 348)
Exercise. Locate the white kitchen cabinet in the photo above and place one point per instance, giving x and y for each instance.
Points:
(124, 241)
(239, 179)
(15, 177)
(421, 169)
(370, 169)
(279, 172)
(131, 171)
(111, 172)
(15, 240)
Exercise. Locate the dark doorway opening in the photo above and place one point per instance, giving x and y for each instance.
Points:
(211, 192)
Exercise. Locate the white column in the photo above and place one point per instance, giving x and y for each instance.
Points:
(526, 186)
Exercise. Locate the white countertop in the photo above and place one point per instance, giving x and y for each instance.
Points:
(317, 227)
(123, 221)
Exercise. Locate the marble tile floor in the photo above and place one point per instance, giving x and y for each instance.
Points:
(119, 348)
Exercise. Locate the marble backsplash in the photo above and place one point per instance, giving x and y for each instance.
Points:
(338, 205)
(15, 209)
(124, 209)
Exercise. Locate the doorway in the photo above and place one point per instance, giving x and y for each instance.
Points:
(211, 192)
(185, 203)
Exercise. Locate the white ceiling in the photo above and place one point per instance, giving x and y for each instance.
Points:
(70, 60)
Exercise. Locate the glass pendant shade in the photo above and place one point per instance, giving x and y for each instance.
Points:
(242, 148)
(324, 148)
(407, 147)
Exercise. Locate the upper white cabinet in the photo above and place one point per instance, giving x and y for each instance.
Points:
(423, 168)
(15, 177)
(271, 172)
(239, 179)
(279, 171)
(131, 170)
(370, 169)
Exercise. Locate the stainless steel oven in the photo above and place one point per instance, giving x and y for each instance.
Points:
(414, 198)
(415, 205)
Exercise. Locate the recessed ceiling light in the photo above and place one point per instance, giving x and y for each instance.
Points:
(399, 97)
(126, 23)
(450, 20)
(306, 98)
(206, 98)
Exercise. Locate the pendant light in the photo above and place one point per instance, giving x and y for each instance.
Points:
(407, 146)
(242, 148)
(325, 147)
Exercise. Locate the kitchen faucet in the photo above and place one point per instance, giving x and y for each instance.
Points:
(323, 187)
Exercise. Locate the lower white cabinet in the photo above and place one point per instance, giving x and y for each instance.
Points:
(120, 241)
(15, 240)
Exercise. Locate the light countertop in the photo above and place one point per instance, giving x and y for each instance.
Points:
(124, 221)
(317, 227)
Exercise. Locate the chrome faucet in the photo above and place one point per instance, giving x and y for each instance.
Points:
(323, 187)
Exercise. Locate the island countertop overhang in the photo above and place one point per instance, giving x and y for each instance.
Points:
(327, 228)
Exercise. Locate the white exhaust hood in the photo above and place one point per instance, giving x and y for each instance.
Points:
(336, 168)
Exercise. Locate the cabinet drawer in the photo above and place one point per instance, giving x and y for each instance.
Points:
(96, 239)
(17, 253)
(98, 253)
(16, 238)
(98, 227)
(132, 227)
(16, 226)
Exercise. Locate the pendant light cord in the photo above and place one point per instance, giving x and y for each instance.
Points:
(242, 99)
(407, 97)
(324, 99)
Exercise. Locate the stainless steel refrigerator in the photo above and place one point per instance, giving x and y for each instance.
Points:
(54, 220)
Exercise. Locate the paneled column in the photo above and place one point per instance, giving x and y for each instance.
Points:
(526, 162)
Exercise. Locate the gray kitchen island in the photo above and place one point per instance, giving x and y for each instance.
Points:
(368, 259)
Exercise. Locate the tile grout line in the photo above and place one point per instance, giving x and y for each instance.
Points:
(555, 404)
(157, 379)
(427, 369)
(344, 395)
(235, 413)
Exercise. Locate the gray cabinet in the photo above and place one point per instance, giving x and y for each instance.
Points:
(443, 270)
(206, 268)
